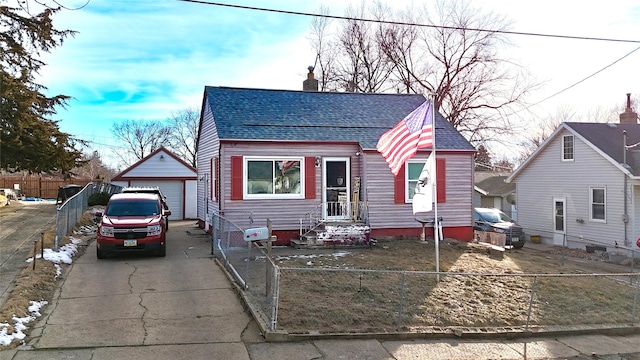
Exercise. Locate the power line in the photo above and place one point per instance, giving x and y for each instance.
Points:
(288, 12)
(580, 81)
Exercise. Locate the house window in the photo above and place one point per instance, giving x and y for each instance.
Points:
(413, 173)
(412, 170)
(273, 178)
(598, 202)
(567, 148)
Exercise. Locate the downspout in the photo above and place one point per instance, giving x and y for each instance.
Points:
(625, 216)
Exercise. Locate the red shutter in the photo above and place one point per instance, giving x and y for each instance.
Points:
(216, 172)
(399, 187)
(309, 177)
(441, 179)
(236, 178)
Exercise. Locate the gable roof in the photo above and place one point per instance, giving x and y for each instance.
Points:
(284, 115)
(496, 186)
(175, 167)
(607, 139)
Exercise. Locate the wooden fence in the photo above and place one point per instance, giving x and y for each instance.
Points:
(38, 186)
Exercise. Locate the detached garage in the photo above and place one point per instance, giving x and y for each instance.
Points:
(176, 179)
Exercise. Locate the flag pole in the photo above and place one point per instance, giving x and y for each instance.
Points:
(436, 225)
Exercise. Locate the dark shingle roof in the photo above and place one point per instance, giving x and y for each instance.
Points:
(260, 114)
(608, 138)
(496, 186)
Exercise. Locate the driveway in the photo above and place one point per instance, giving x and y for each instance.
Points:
(21, 223)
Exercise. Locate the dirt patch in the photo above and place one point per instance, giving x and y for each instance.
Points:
(37, 281)
(315, 297)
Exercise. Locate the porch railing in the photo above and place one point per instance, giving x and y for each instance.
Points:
(339, 211)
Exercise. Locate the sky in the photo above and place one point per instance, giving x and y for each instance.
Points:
(150, 59)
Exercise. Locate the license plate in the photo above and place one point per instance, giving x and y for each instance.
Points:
(131, 243)
(515, 239)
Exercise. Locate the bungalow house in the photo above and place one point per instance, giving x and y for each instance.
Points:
(290, 155)
(176, 179)
(582, 185)
(492, 191)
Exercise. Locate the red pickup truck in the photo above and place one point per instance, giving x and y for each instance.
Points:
(132, 222)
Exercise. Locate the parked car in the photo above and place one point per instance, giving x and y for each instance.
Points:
(132, 222)
(67, 191)
(494, 220)
(151, 190)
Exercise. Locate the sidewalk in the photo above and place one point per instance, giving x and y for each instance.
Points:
(134, 322)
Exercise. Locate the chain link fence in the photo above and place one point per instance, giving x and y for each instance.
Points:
(596, 248)
(69, 212)
(320, 300)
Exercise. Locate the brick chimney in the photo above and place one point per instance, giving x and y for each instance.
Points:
(311, 84)
(628, 116)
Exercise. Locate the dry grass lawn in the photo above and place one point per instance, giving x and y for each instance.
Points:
(329, 301)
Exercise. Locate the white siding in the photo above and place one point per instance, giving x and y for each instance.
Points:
(547, 177)
(158, 166)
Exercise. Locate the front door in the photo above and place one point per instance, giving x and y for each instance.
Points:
(559, 221)
(336, 185)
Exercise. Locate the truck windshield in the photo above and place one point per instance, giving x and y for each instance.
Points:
(132, 208)
(495, 216)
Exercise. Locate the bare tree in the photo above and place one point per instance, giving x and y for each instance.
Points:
(353, 59)
(325, 51)
(140, 138)
(94, 168)
(543, 130)
(184, 134)
(453, 60)
(483, 159)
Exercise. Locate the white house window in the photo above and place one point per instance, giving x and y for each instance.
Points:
(598, 204)
(269, 178)
(413, 171)
(567, 148)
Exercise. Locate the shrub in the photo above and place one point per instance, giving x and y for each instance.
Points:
(100, 198)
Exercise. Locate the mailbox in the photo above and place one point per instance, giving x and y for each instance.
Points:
(256, 234)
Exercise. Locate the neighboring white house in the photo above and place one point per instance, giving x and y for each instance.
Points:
(175, 178)
(492, 191)
(582, 185)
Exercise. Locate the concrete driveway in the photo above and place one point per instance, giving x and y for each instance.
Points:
(144, 307)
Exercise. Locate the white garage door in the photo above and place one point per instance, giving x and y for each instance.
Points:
(173, 190)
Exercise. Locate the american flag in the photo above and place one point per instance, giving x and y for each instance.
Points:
(401, 142)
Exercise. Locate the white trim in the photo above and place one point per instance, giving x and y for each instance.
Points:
(563, 200)
(603, 188)
(408, 190)
(347, 181)
(271, 196)
(573, 148)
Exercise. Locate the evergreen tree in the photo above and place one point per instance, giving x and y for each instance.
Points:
(29, 139)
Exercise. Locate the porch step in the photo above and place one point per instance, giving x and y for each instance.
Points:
(336, 234)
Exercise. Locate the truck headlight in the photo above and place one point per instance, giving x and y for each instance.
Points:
(154, 230)
(106, 231)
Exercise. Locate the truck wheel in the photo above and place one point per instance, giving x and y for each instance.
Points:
(162, 252)
(100, 254)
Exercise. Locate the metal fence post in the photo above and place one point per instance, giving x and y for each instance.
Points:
(635, 301)
(401, 304)
(533, 293)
